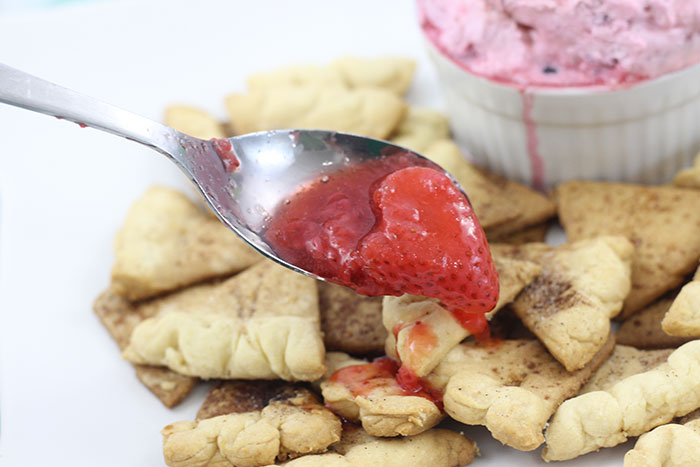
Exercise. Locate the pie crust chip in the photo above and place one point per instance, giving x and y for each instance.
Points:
(631, 407)
(267, 421)
(193, 121)
(372, 112)
(670, 445)
(350, 322)
(625, 361)
(436, 448)
(420, 128)
(384, 409)
(662, 222)
(534, 234)
(643, 329)
(569, 305)
(120, 317)
(391, 74)
(261, 324)
(502, 206)
(167, 243)
(683, 317)
(689, 178)
(409, 317)
(512, 387)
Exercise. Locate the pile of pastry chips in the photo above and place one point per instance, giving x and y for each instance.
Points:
(189, 301)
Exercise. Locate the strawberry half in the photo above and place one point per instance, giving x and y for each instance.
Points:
(427, 241)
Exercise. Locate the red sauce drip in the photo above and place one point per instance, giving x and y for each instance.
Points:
(224, 150)
(420, 341)
(81, 125)
(384, 372)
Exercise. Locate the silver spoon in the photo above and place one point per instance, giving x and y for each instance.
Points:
(273, 164)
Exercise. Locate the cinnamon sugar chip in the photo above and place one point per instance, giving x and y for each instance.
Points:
(120, 317)
(252, 424)
(261, 324)
(569, 305)
(661, 222)
(512, 387)
(167, 243)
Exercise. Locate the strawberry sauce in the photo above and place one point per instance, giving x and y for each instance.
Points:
(390, 226)
(224, 150)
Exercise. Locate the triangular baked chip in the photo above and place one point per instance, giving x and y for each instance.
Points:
(512, 387)
(391, 74)
(261, 324)
(631, 407)
(167, 243)
(625, 361)
(667, 445)
(270, 421)
(350, 322)
(662, 223)
(689, 178)
(120, 317)
(683, 317)
(421, 331)
(372, 112)
(193, 121)
(436, 448)
(419, 128)
(643, 329)
(569, 305)
(381, 405)
(502, 206)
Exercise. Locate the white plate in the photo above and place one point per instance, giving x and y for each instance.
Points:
(66, 398)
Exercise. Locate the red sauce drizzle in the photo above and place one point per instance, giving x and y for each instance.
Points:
(224, 150)
(384, 372)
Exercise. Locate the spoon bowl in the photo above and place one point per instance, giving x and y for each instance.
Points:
(273, 165)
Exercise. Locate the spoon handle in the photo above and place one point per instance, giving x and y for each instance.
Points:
(29, 92)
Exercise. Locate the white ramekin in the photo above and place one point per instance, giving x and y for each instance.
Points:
(643, 133)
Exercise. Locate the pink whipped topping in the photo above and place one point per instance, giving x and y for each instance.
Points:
(565, 42)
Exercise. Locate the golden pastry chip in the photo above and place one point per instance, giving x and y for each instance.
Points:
(668, 445)
(631, 407)
(297, 75)
(534, 234)
(261, 324)
(369, 395)
(167, 243)
(689, 178)
(268, 421)
(422, 331)
(369, 112)
(683, 317)
(420, 128)
(625, 361)
(436, 448)
(569, 305)
(662, 223)
(512, 387)
(392, 74)
(643, 329)
(193, 121)
(350, 322)
(502, 206)
(120, 317)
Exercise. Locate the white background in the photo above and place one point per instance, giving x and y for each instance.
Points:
(66, 398)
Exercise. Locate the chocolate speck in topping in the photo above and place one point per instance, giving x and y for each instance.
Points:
(549, 70)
